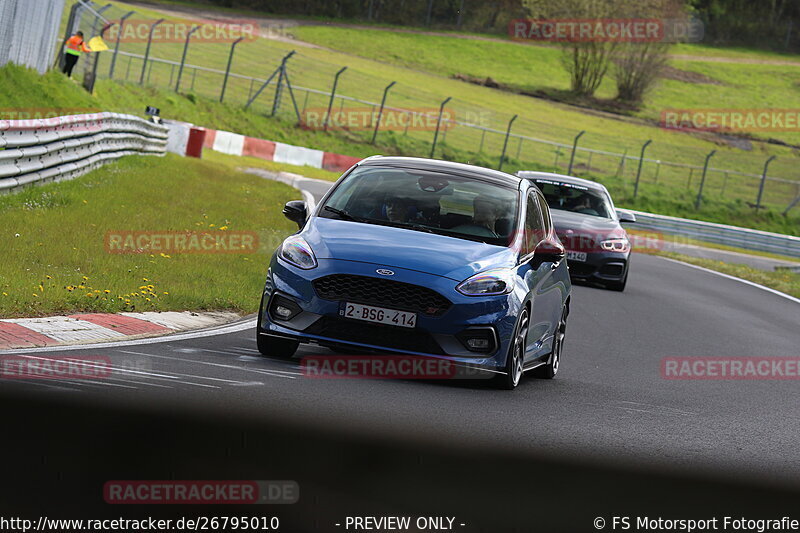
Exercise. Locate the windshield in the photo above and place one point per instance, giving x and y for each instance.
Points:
(426, 201)
(576, 198)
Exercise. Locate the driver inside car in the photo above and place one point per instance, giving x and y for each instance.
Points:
(485, 213)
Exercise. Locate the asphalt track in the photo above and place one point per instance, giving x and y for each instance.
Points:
(609, 404)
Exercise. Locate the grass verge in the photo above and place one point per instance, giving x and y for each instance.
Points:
(54, 258)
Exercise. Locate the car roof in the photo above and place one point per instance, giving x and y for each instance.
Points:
(532, 175)
(436, 165)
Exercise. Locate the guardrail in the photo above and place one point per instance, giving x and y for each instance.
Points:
(61, 148)
(749, 239)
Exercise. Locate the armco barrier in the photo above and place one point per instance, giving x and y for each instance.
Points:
(749, 239)
(61, 148)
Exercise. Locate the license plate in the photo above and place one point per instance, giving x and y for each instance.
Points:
(576, 256)
(379, 315)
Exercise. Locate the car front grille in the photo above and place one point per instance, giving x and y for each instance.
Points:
(388, 337)
(382, 293)
(580, 270)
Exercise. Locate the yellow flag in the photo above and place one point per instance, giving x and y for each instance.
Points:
(96, 44)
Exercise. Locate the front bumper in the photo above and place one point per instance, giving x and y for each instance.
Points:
(317, 320)
(600, 267)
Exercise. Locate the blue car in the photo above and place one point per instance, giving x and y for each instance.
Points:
(425, 258)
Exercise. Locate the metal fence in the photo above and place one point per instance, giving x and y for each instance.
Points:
(59, 148)
(28, 31)
(268, 77)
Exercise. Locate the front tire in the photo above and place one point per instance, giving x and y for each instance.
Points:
(516, 355)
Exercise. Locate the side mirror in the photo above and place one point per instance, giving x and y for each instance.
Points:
(548, 252)
(625, 216)
(296, 212)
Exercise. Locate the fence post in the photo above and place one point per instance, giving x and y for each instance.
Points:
(264, 85)
(228, 69)
(658, 169)
(430, 9)
(460, 15)
(183, 59)
(333, 90)
(380, 111)
(116, 46)
(703, 180)
(483, 137)
(88, 83)
(438, 122)
(621, 166)
(147, 49)
(791, 205)
(574, 147)
(763, 181)
(505, 142)
(639, 170)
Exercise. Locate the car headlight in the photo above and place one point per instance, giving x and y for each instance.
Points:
(487, 283)
(296, 251)
(616, 245)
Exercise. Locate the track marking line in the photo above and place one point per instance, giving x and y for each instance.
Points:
(746, 282)
(192, 376)
(266, 371)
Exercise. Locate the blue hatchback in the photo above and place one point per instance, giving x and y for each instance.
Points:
(427, 258)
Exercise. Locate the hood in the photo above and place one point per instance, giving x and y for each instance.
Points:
(440, 255)
(583, 232)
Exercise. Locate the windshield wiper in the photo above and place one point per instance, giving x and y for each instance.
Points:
(344, 214)
(411, 225)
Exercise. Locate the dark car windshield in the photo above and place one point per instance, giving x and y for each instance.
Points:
(576, 198)
(433, 202)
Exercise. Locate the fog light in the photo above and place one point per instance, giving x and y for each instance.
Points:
(283, 312)
(283, 308)
(478, 344)
(481, 339)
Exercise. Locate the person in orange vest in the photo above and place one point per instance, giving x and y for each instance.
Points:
(75, 45)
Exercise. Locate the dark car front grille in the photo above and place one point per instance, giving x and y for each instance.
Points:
(382, 293)
(389, 337)
(581, 270)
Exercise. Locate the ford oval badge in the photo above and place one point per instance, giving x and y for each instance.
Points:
(385, 272)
